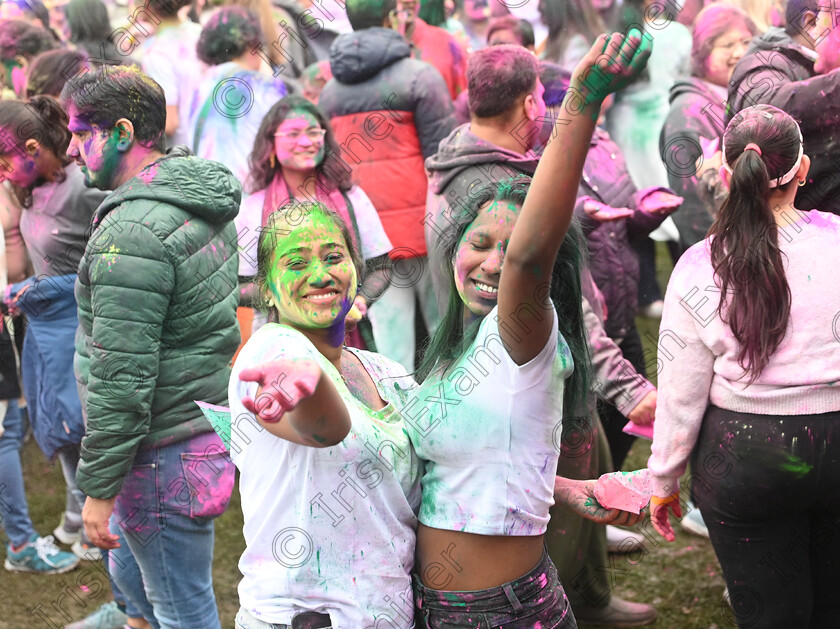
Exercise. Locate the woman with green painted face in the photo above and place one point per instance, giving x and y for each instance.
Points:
(329, 482)
(295, 156)
(508, 356)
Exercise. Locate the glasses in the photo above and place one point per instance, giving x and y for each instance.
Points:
(314, 134)
(730, 46)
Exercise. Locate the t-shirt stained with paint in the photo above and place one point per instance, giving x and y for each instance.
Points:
(170, 58)
(227, 112)
(327, 529)
(57, 226)
(489, 431)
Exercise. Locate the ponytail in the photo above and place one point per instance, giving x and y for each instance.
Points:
(745, 252)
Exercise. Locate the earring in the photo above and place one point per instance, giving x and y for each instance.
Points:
(801, 182)
(272, 161)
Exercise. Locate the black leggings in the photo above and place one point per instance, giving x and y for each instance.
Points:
(769, 491)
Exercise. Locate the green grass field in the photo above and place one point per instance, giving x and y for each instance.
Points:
(682, 579)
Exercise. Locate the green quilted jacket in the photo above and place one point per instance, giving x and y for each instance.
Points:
(157, 295)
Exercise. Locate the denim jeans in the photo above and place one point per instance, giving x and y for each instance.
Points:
(535, 599)
(166, 510)
(14, 510)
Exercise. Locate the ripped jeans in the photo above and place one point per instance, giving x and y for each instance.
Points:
(536, 599)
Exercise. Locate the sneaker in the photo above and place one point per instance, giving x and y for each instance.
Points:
(653, 311)
(693, 522)
(40, 555)
(85, 550)
(66, 533)
(617, 613)
(623, 541)
(108, 616)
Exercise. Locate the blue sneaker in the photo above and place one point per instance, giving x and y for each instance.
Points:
(108, 616)
(40, 555)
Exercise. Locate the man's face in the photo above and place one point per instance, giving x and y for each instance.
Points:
(827, 35)
(95, 151)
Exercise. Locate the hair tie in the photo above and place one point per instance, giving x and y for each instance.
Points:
(752, 146)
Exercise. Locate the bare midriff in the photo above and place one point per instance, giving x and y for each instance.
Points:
(455, 561)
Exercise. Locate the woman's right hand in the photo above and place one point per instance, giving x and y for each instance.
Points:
(612, 63)
(283, 385)
(659, 512)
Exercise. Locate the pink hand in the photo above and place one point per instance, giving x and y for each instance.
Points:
(283, 385)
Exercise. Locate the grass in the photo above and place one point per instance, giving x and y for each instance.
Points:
(683, 580)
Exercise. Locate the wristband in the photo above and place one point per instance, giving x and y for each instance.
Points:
(655, 501)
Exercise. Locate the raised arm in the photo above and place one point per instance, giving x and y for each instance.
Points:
(611, 63)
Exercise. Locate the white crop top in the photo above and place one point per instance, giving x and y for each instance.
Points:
(489, 431)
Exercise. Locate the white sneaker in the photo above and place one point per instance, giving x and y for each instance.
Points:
(86, 551)
(623, 541)
(67, 534)
(693, 522)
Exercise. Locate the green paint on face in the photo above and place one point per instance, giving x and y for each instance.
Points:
(312, 278)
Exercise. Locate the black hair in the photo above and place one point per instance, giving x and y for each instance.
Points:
(452, 340)
(22, 39)
(745, 254)
(795, 10)
(40, 119)
(364, 14)
(229, 34)
(112, 92)
(47, 73)
(519, 27)
(88, 21)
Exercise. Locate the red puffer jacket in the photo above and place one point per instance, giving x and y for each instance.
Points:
(389, 112)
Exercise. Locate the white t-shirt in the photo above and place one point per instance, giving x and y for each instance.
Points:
(490, 435)
(169, 57)
(331, 529)
(374, 240)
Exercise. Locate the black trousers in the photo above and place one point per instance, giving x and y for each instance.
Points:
(768, 488)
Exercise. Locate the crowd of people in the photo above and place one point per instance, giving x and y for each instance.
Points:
(377, 266)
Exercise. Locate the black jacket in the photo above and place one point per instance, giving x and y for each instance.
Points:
(777, 71)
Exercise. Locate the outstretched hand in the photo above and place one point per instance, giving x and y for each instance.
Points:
(612, 63)
(659, 511)
(605, 213)
(283, 385)
(579, 495)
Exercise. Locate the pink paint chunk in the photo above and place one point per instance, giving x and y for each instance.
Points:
(628, 491)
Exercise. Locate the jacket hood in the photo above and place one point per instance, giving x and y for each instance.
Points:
(201, 187)
(774, 38)
(461, 149)
(357, 57)
(696, 86)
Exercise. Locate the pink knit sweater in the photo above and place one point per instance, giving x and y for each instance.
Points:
(698, 355)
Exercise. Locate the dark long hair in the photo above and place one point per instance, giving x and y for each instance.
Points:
(745, 250)
(451, 340)
(41, 119)
(566, 18)
(332, 168)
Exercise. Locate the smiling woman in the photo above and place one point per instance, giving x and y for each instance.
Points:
(320, 409)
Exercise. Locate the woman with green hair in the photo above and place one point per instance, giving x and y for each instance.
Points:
(494, 381)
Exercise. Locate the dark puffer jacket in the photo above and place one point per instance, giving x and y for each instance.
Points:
(696, 116)
(389, 112)
(614, 264)
(157, 295)
(777, 71)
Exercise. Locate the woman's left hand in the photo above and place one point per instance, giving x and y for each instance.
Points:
(95, 515)
(579, 495)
